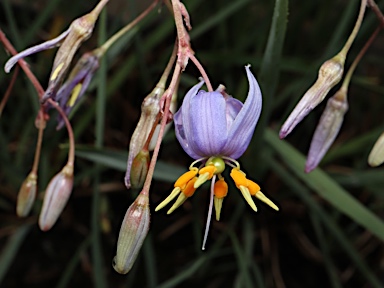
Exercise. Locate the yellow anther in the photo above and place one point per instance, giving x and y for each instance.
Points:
(210, 169)
(173, 194)
(57, 71)
(179, 201)
(253, 187)
(186, 177)
(75, 94)
(264, 198)
(247, 196)
(218, 204)
(239, 177)
(220, 189)
(206, 173)
(189, 190)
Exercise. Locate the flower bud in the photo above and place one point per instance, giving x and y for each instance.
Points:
(56, 196)
(133, 231)
(140, 169)
(376, 157)
(27, 195)
(330, 74)
(149, 111)
(327, 129)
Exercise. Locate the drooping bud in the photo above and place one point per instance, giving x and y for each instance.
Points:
(376, 157)
(27, 195)
(133, 231)
(56, 196)
(140, 169)
(330, 74)
(327, 129)
(149, 111)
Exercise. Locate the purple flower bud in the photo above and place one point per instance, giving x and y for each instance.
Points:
(69, 41)
(56, 196)
(330, 74)
(133, 231)
(27, 195)
(327, 129)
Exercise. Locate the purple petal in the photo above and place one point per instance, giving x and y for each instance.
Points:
(243, 126)
(233, 108)
(207, 117)
(182, 123)
(32, 50)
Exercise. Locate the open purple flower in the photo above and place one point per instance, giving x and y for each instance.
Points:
(215, 130)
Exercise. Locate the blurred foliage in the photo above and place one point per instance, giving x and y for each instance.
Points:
(329, 230)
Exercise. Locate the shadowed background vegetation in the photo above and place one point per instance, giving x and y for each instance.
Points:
(329, 230)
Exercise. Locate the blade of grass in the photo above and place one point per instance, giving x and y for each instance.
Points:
(98, 261)
(329, 267)
(325, 186)
(70, 269)
(301, 191)
(11, 248)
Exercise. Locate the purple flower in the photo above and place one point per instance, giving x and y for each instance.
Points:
(215, 129)
(210, 124)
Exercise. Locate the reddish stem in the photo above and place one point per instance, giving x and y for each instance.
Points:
(71, 154)
(8, 46)
(9, 90)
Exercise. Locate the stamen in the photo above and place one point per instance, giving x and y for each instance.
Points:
(173, 194)
(220, 191)
(189, 190)
(247, 196)
(209, 213)
(239, 177)
(221, 188)
(179, 201)
(264, 198)
(253, 187)
(237, 165)
(206, 173)
(197, 161)
(218, 205)
(187, 176)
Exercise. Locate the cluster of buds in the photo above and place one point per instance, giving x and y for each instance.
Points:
(330, 74)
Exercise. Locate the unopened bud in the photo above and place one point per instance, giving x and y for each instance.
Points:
(150, 108)
(327, 129)
(27, 195)
(133, 231)
(56, 197)
(140, 169)
(376, 157)
(330, 74)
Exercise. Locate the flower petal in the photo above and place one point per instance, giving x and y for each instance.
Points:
(182, 122)
(207, 117)
(243, 126)
(34, 49)
(233, 108)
